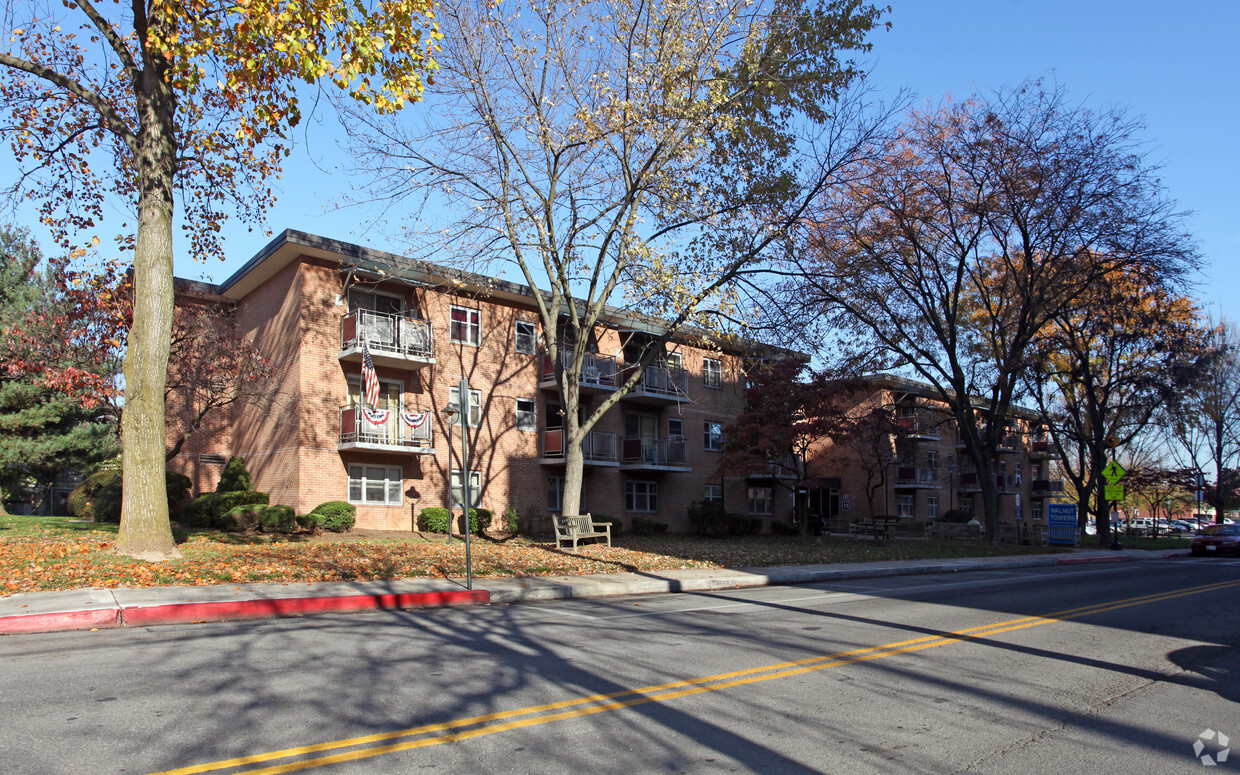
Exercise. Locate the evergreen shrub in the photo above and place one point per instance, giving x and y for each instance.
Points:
(335, 516)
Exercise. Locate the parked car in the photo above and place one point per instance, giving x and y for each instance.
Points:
(1178, 527)
(1216, 539)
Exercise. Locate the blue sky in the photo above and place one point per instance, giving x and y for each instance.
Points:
(1177, 67)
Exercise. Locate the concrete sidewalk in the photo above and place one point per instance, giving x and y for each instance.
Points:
(86, 609)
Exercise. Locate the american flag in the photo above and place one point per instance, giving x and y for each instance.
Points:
(370, 380)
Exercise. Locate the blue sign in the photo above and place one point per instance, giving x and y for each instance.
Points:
(1061, 523)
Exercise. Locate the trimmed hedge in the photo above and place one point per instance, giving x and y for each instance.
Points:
(437, 519)
(743, 525)
(208, 509)
(242, 519)
(335, 516)
(81, 500)
(105, 504)
(617, 524)
(278, 519)
(784, 529)
(644, 526)
(708, 518)
(434, 519)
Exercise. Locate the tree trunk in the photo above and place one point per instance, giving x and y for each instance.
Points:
(574, 459)
(145, 531)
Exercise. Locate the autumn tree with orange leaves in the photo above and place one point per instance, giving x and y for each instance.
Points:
(136, 105)
(970, 230)
(1101, 371)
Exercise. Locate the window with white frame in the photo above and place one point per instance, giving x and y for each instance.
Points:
(674, 361)
(712, 436)
(675, 428)
(932, 457)
(713, 494)
(475, 489)
(932, 507)
(905, 502)
(555, 493)
(712, 372)
(641, 496)
(526, 337)
(527, 414)
(761, 500)
(1017, 470)
(466, 325)
(376, 485)
(1035, 512)
(966, 503)
(475, 405)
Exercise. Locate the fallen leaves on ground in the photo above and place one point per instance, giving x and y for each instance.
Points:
(51, 559)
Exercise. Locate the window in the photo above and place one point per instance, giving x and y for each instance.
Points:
(475, 405)
(713, 436)
(932, 507)
(526, 337)
(761, 500)
(376, 485)
(674, 361)
(641, 496)
(966, 503)
(712, 372)
(675, 428)
(1017, 470)
(466, 325)
(475, 489)
(527, 415)
(555, 493)
(932, 457)
(375, 302)
(713, 494)
(905, 503)
(1035, 512)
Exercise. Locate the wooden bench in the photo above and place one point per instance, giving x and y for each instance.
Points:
(575, 529)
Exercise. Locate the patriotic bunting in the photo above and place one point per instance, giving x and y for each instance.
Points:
(376, 416)
(415, 419)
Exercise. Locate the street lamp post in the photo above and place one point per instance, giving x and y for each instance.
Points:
(460, 411)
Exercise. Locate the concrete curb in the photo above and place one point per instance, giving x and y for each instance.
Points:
(91, 609)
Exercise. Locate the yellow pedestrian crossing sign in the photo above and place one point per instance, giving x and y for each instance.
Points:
(1113, 472)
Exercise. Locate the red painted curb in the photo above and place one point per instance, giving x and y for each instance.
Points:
(176, 613)
(1082, 560)
(100, 619)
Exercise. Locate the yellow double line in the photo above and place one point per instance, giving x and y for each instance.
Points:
(491, 723)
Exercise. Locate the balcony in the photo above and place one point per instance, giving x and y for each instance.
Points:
(969, 482)
(598, 373)
(598, 448)
(1008, 444)
(660, 385)
(399, 341)
(651, 454)
(1041, 450)
(917, 477)
(1047, 488)
(918, 427)
(385, 431)
(783, 468)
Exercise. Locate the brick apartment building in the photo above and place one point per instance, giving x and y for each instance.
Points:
(925, 469)
(308, 304)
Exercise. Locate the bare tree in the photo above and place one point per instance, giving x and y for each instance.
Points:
(1202, 422)
(1102, 370)
(970, 231)
(624, 154)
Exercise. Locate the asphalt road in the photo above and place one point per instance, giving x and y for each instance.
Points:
(1091, 669)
